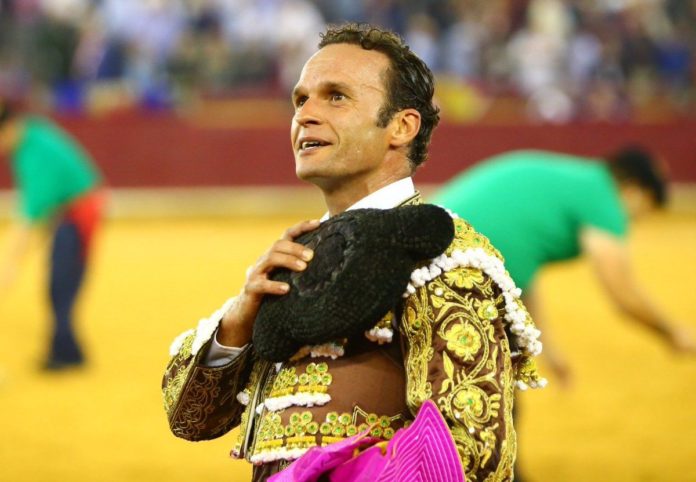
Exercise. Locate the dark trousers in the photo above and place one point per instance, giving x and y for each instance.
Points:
(67, 271)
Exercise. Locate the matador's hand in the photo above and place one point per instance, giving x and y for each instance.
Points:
(237, 324)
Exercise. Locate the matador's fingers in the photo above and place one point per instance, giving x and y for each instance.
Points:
(259, 286)
(273, 260)
(300, 228)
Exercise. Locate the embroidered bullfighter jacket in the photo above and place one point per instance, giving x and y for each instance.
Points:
(452, 343)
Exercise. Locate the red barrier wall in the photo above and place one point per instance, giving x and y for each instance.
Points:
(162, 150)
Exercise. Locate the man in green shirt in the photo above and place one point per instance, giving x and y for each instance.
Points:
(58, 187)
(541, 207)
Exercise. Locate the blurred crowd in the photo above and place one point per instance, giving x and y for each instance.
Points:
(564, 60)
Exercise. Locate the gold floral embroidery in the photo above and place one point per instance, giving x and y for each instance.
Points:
(302, 432)
(470, 401)
(479, 282)
(203, 396)
(418, 331)
(464, 278)
(173, 388)
(463, 340)
(465, 237)
(315, 379)
(487, 310)
(460, 311)
(348, 425)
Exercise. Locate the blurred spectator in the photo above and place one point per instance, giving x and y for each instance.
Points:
(462, 43)
(422, 37)
(536, 54)
(583, 57)
(540, 208)
(295, 20)
(564, 59)
(565, 207)
(59, 190)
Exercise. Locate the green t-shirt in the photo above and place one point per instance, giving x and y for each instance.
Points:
(50, 169)
(532, 205)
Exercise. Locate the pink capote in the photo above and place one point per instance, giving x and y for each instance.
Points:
(423, 452)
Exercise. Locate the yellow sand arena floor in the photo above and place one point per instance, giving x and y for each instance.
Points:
(630, 415)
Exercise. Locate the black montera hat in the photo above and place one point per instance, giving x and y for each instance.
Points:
(362, 263)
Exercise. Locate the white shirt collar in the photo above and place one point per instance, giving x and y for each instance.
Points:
(387, 197)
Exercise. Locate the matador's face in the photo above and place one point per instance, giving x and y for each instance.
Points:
(334, 133)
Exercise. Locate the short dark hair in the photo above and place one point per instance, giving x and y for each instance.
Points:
(409, 82)
(634, 164)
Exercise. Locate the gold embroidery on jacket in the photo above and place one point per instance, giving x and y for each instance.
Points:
(465, 237)
(457, 355)
(458, 313)
(202, 394)
(315, 379)
(240, 446)
(302, 432)
(172, 389)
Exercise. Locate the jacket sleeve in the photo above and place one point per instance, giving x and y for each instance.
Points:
(201, 401)
(457, 354)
